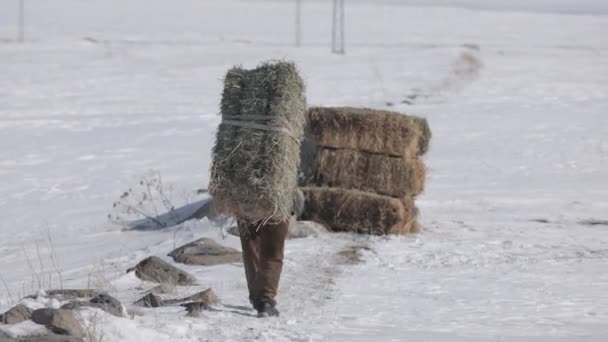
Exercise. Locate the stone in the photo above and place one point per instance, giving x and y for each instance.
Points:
(157, 270)
(149, 301)
(42, 316)
(205, 252)
(108, 304)
(59, 321)
(16, 315)
(70, 294)
(102, 301)
(208, 297)
(152, 301)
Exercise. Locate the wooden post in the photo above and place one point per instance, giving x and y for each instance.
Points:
(298, 23)
(337, 28)
(21, 28)
(342, 38)
(333, 26)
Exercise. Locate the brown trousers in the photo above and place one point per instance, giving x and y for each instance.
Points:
(263, 258)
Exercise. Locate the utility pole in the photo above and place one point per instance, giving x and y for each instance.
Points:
(21, 28)
(298, 23)
(337, 28)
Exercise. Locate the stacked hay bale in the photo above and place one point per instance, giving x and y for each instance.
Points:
(256, 155)
(362, 169)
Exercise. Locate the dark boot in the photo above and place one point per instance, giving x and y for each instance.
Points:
(267, 310)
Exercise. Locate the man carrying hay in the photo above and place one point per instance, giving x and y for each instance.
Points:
(255, 165)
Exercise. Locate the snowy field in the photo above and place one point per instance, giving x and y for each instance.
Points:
(514, 241)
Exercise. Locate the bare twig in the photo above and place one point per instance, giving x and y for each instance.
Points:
(163, 197)
(146, 215)
(35, 274)
(151, 198)
(53, 257)
(41, 264)
(146, 201)
(8, 291)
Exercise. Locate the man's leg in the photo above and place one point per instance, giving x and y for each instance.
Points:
(250, 243)
(272, 242)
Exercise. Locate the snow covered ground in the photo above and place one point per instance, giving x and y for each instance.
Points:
(512, 247)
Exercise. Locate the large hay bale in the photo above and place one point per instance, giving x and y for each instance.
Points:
(359, 212)
(256, 155)
(368, 130)
(381, 174)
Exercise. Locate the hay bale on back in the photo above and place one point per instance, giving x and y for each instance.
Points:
(359, 212)
(368, 130)
(381, 174)
(256, 155)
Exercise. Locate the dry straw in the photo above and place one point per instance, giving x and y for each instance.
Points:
(359, 212)
(256, 155)
(381, 174)
(369, 130)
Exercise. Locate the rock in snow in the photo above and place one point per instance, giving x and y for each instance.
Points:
(205, 252)
(59, 321)
(157, 270)
(16, 314)
(102, 301)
